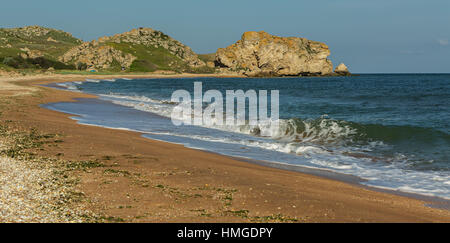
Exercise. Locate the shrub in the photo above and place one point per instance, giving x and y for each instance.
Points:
(81, 66)
(42, 62)
(15, 62)
(39, 62)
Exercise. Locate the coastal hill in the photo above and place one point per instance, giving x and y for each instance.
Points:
(146, 50)
(34, 47)
(262, 54)
(139, 50)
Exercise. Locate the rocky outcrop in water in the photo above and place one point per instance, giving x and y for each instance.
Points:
(341, 69)
(262, 54)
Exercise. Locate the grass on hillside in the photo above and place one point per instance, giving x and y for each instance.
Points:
(150, 59)
(207, 57)
(52, 45)
(34, 63)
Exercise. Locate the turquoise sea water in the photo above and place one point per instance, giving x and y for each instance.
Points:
(391, 130)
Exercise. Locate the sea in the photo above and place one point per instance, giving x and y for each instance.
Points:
(392, 131)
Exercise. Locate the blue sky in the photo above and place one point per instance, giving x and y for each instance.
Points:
(390, 36)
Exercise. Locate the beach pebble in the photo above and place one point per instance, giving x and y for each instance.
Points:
(31, 192)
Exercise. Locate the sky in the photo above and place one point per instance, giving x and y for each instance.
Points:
(383, 36)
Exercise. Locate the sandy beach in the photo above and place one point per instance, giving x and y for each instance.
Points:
(124, 177)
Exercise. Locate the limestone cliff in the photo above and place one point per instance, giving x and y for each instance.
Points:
(262, 54)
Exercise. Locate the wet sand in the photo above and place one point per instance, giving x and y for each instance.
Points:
(151, 181)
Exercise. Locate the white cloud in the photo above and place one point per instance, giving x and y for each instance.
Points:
(443, 42)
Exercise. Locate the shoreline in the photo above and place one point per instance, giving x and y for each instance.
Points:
(432, 201)
(284, 178)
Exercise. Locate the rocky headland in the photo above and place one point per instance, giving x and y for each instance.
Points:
(262, 54)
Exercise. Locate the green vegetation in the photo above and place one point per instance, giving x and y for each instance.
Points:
(207, 57)
(202, 212)
(203, 69)
(35, 48)
(111, 219)
(83, 165)
(55, 194)
(18, 62)
(51, 41)
(117, 172)
(261, 219)
(84, 72)
(151, 58)
(48, 44)
(23, 142)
